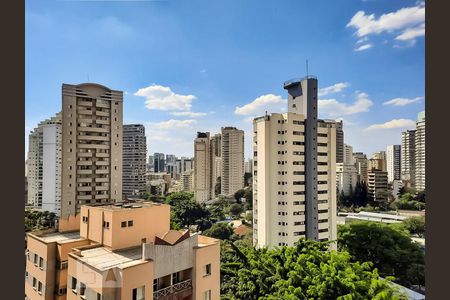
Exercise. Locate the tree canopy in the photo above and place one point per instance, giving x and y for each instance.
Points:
(392, 251)
(220, 230)
(38, 220)
(415, 225)
(307, 270)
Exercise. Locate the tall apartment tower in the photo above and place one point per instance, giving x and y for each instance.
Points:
(362, 166)
(216, 161)
(348, 155)
(294, 181)
(92, 146)
(159, 162)
(202, 167)
(44, 165)
(134, 157)
(346, 178)
(380, 156)
(232, 178)
(377, 186)
(339, 142)
(393, 162)
(408, 158)
(420, 151)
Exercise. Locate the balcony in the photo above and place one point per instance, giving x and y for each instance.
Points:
(184, 287)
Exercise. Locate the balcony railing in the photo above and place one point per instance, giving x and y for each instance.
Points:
(183, 285)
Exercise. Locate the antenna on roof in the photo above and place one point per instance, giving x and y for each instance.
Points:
(307, 68)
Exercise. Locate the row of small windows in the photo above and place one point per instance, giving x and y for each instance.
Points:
(126, 224)
(297, 233)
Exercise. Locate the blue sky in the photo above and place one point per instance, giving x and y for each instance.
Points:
(188, 66)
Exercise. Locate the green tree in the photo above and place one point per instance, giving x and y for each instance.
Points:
(38, 220)
(220, 230)
(390, 250)
(415, 225)
(218, 187)
(236, 209)
(239, 194)
(248, 198)
(307, 270)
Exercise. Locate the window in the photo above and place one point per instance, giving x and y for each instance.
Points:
(74, 285)
(99, 296)
(130, 223)
(207, 295)
(85, 219)
(155, 285)
(139, 293)
(82, 290)
(41, 263)
(36, 259)
(174, 278)
(105, 224)
(123, 224)
(34, 283)
(207, 270)
(39, 289)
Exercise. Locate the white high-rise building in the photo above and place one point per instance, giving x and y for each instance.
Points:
(44, 165)
(232, 178)
(248, 166)
(294, 181)
(346, 178)
(393, 162)
(408, 158)
(420, 151)
(348, 155)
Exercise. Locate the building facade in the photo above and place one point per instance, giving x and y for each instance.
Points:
(339, 141)
(91, 147)
(294, 181)
(159, 162)
(346, 178)
(202, 167)
(408, 158)
(377, 186)
(420, 152)
(115, 252)
(232, 177)
(348, 155)
(44, 165)
(362, 166)
(134, 160)
(393, 162)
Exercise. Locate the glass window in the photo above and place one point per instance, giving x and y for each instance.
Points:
(207, 270)
(139, 293)
(207, 295)
(82, 289)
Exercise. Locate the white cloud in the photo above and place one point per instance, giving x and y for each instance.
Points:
(172, 124)
(163, 98)
(362, 40)
(189, 114)
(393, 124)
(335, 88)
(402, 101)
(401, 19)
(411, 33)
(363, 47)
(269, 103)
(334, 108)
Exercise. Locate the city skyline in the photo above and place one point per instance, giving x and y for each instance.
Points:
(182, 75)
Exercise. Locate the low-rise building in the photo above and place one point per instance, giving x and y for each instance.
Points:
(121, 251)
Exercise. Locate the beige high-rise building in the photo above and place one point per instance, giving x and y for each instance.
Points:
(339, 141)
(202, 167)
(377, 164)
(44, 165)
(294, 181)
(362, 166)
(420, 151)
(216, 161)
(379, 160)
(393, 162)
(348, 155)
(187, 180)
(92, 146)
(232, 178)
(121, 251)
(377, 186)
(346, 178)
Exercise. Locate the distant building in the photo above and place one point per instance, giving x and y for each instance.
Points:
(150, 165)
(232, 178)
(159, 162)
(377, 186)
(202, 167)
(248, 166)
(348, 155)
(44, 165)
(187, 180)
(396, 185)
(408, 158)
(339, 142)
(378, 161)
(362, 166)
(122, 251)
(134, 156)
(420, 151)
(393, 162)
(346, 178)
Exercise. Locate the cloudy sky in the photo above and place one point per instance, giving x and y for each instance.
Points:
(188, 66)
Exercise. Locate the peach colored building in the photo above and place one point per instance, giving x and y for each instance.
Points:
(123, 252)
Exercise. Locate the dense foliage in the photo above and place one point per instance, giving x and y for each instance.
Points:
(389, 248)
(38, 220)
(306, 271)
(220, 230)
(357, 198)
(415, 226)
(409, 199)
(236, 209)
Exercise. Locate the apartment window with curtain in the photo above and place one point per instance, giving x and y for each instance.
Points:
(139, 293)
